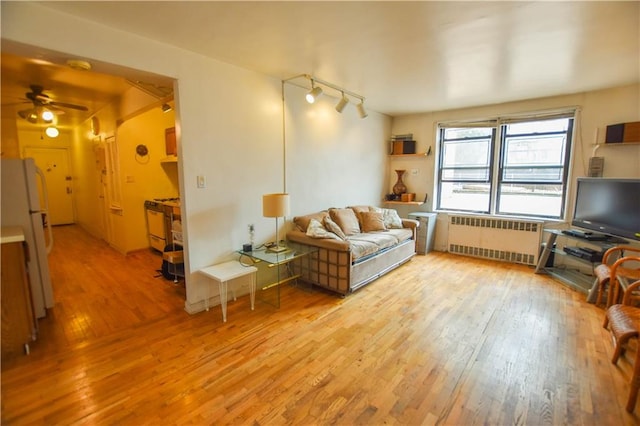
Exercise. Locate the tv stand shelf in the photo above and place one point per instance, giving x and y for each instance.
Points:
(572, 277)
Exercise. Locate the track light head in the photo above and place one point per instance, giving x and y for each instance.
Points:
(313, 94)
(361, 111)
(342, 103)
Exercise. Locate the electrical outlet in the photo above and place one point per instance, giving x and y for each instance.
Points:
(202, 182)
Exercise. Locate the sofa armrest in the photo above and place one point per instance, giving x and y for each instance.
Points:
(410, 223)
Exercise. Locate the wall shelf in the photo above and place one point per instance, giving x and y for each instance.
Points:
(406, 203)
(169, 159)
(418, 155)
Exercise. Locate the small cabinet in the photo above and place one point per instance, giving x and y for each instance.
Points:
(426, 231)
(171, 145)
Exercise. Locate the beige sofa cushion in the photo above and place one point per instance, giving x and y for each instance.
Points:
(316, 230)
(371, 221)
(346, 220)
(390, 218)
(302, 222)
(360, 209)
(333, 227)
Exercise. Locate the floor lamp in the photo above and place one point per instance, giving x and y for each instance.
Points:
(275, 205)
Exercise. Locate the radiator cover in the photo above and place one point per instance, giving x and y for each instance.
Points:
(509, 240)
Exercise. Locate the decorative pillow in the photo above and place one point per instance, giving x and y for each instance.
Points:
(391, 219)
(333, 227)
(346, 220)
(372, 221)
(316, 230)
(302, 222)
(360, 209)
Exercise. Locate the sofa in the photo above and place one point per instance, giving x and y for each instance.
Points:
(354, 246)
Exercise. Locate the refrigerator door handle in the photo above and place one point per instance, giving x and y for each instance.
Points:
(45, 210)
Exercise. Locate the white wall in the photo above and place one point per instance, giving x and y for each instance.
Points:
(597, 110)
(229, 129)
(333, 160)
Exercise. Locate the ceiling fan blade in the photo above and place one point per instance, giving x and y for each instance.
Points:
(16, 103)
(70, 106)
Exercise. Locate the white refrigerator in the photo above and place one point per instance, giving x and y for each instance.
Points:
(21, 207)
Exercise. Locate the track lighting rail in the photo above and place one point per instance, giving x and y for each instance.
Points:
(316, 91)
(325, 83)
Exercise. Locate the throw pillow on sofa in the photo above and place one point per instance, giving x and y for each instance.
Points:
(346, 220)
(372, 221)
(390, 218)
(316, 230)
(333, 227)
(302, 222)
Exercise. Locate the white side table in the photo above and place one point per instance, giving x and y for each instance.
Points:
(223, 273)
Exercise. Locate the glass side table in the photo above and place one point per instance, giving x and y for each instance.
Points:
(277, 271)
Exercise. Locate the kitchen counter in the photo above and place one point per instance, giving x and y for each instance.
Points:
(12, 234)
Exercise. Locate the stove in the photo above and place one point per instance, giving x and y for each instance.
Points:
(162, 215)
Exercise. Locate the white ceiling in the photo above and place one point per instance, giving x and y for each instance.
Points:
(403, 57)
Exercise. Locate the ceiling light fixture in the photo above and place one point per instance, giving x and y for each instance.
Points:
(52, 132)
(342, 103)
(47, 115)
(30, 115)
(316, 91)
(79, 64)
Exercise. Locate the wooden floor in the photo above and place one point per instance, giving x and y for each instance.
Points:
(442, 340)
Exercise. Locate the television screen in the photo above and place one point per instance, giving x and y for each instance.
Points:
(608, 206)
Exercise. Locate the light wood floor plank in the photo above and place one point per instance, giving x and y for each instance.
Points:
(443, 340)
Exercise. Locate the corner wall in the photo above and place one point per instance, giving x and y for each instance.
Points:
(597, 110)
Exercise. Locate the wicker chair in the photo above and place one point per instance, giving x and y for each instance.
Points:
(623, 321)
(615, 258)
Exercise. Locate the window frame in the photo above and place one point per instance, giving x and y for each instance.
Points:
(498, 145)
(491, 168)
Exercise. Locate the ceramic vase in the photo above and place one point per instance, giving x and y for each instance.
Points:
(399, 187)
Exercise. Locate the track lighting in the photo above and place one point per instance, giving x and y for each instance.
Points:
(314, 93)
(361, 111)
(342, 103)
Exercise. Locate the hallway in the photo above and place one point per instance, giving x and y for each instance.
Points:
(98, 290)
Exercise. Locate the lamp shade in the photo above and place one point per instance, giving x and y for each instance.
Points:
(275, 205)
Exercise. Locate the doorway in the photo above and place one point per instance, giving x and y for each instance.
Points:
(98, 288)
(58, 200)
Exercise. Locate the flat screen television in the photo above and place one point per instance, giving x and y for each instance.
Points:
(608, 206)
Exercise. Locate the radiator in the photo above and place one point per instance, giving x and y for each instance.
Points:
(508, 240)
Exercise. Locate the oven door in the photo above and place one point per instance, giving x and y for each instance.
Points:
(156, 227)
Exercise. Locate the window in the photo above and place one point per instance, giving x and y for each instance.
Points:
(525, 174)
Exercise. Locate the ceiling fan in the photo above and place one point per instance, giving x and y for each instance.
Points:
(42, 104)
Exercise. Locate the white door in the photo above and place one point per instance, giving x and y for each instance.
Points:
(54, 163)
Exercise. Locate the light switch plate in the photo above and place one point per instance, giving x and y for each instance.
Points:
(202, 182)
